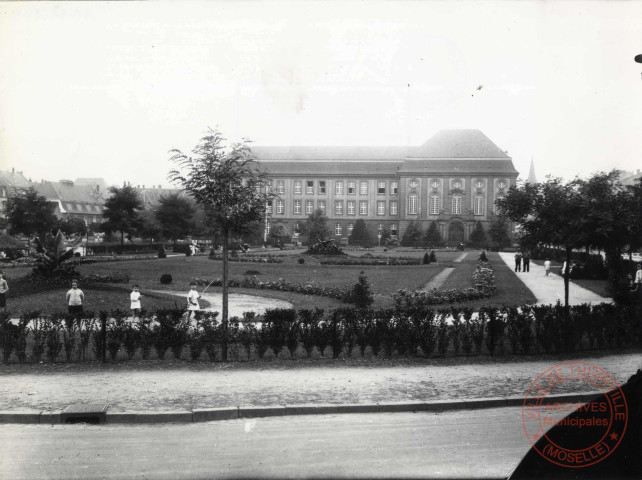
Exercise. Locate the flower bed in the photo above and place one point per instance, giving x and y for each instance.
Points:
(282, 285)
(373, 260)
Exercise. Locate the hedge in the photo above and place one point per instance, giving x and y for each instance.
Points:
(408, 329)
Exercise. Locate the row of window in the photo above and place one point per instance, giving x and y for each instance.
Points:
(338, 228)
(350, 187)
(434, 206)
(351, 207)
(79, 207)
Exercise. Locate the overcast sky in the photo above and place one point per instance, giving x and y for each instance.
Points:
(106, 89)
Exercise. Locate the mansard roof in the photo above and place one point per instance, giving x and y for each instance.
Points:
(446, 152)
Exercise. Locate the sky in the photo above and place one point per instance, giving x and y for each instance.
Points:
(91, 89)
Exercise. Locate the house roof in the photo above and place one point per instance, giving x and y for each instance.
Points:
(448, 151)
(14, 179)
(69, 192)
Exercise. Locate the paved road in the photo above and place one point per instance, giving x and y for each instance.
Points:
(469, 444)
(549, 289)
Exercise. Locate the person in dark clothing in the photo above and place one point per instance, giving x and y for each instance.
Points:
(527, 261)
(518, 261)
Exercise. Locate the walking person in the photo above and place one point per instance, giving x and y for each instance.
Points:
(527, 261)
(75, 299)
(134, 299)
(4, 288)
(192, 301)
(547, 267)
(518, 261)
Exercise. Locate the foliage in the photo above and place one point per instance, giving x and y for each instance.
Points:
(325, 247)
(360, 235)
(121, 211)
(412, 237)
(478, 235)
(361, 296)
(175, 213)
(279, 234)
(426, 259)
(29, 213)
(498, 231)
(166, 279)
(433, 237)
(161, 252)
(316, 228)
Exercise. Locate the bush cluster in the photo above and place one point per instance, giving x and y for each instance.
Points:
(372, 260)
(325, 247)
(407, 329)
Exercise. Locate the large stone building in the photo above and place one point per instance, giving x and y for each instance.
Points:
(453, 179)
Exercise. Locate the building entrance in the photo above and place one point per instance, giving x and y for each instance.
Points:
(455, 234)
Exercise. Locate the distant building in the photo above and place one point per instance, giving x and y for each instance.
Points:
(453, 179)
(84, 201)
(630, 178)
(10, 183)
(151, 195)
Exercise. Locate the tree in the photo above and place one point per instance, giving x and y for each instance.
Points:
(498, 231)
(29, 213)
(73, 226)
(360, 295)
(122, 211)
(280, 234)
(412, 235)
(432, 237)
(175, 213)
(149, 227)
(478, 235)
(315, 227)
(228, 185)
(360, 235)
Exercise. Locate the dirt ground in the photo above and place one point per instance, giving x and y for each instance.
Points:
(156, 386)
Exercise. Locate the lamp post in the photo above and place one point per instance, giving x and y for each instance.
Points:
(379, 238)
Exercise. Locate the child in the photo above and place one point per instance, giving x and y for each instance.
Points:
(547, 266)
(75, 299)
(192, 300)
(4, 288)
(135, 301)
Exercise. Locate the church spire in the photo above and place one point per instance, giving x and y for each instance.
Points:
(531, 174)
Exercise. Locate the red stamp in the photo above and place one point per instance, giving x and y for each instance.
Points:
(585, 433)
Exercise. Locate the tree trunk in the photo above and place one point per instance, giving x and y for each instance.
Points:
(122, 239)
(566, 278)
(225, 295)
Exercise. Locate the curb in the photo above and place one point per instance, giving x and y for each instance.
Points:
(54, 417)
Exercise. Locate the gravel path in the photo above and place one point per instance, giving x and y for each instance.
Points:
(438, 280)
(150, 386)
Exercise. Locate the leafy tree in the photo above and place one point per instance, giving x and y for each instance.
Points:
(498, 231)
(149, 227)
(279, 234)
(316, 228)
(433, 237)
(478, 235)
(29, 213)
(360, 235)
(385, 236)
(122, 211)
(175, 214)
(228, 185)
(412, 236)
(73, 226)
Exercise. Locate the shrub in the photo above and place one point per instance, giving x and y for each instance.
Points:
(166, 279)
(494, 328)
(325, 247)
(433, 257)
(211, 333)
(442, 332)
(426, 259)
(361, 296)
(69, 334)
(483, 257)
(8, 336)
(161, 252)
(277, 325)
(301, 261)
(308, 320)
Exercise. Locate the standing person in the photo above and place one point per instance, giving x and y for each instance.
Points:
(563, 272)
(518, 261)
(192, 300)
(527, 261)
(134, 298)
(4, 288)
(547, 266)
(75, 299)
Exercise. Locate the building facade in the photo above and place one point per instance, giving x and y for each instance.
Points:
(453, 179)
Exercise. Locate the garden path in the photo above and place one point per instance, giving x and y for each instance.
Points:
(238, 303)
(460, 257)
(548, 290)
(438, 280)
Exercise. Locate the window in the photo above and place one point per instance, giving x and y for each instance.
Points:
(280, 207)
(381, 207)
(457, 184)
(297, 187)
(97, 208)
(363, 208)
(321, 205)
(380, 227)
(479, 205)
(393, 207)
(309, 187)
(501, 184)
(479, 183)
(297, 207)
(381, 188)
(337, 229)
(456, 205)
(268, 208)
(435, 183)
(338, 187)
(267, 227)
(413, 204)
(394, 186)
(393, 230)
(280, 187)
(499, 197)
(79, 207)
(350, 228)
(4, 192)
(351, 207)
(309, 207)
(434, 204)
(338, 207)
(321, 187)
(363, 188)
(352, 188)
(268, 187)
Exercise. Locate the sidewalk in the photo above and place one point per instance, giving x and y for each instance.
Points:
(548, 290)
